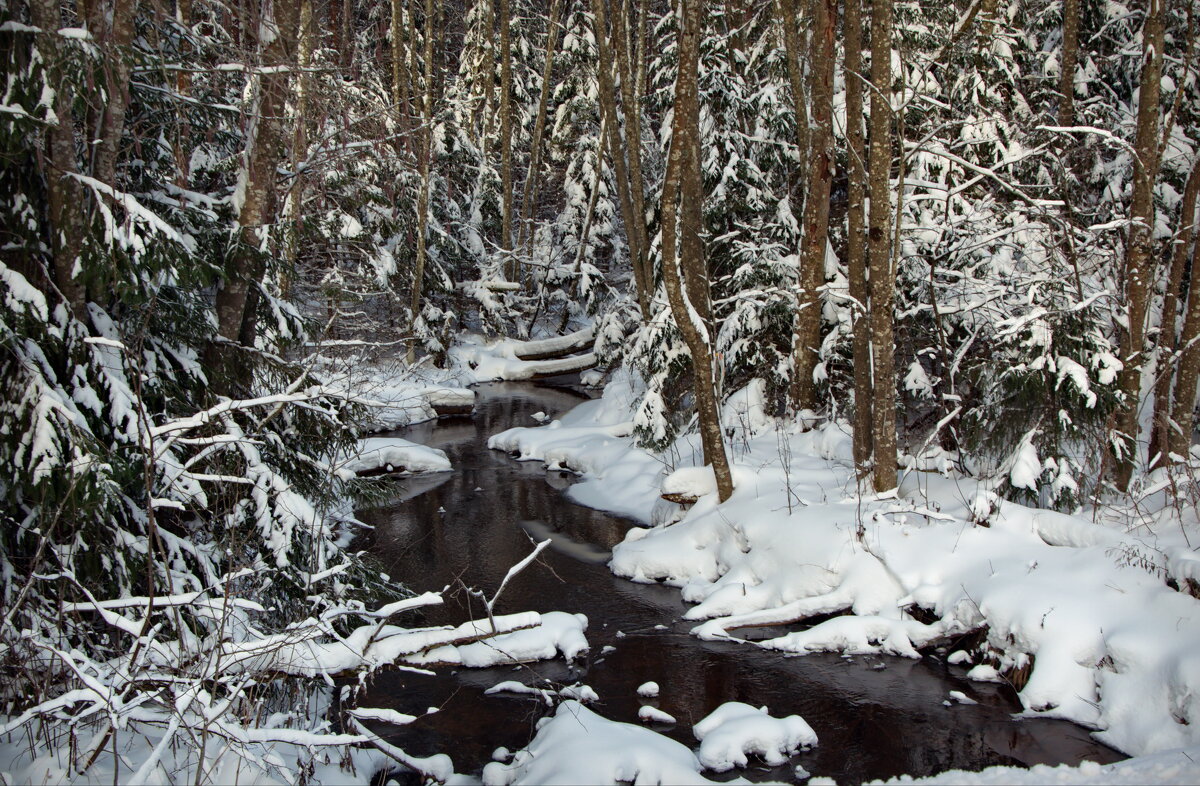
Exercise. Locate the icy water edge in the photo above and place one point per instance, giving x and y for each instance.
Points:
(876, 717)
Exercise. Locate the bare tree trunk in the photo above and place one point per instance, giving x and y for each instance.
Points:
(633, 142)
(1179, 429)
(64, 193)
(506, 142)
(683, 184)
(401, 77)
(294, 204)
(525, 232)
(112, 124)
(856, 261)
(183, 86)
(789, 17)
(1139, 257)
(880, 251)
(807, 330)
(1165, 355)
(1069, 62)
(423, 198)
(264, 151)
(608, 111)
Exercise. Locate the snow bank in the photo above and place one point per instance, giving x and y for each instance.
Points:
(393, 454)
(1075, 612)
(577, 746)
(734, 729)
(1179, 766)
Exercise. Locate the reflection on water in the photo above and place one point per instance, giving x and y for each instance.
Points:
(876, 717)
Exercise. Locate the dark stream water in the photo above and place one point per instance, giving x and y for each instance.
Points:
(876, 717)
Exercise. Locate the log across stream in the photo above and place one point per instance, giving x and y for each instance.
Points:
(876, 717)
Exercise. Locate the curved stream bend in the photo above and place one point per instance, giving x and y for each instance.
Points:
(876, 717)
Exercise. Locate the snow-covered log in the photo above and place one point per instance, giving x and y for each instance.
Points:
(557, 347)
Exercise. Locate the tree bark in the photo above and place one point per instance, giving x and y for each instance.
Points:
(264, 151)
(807, 329)
(506, 141)
(525, 232)
(112, 124)
(1165, 356)
(608, 111)
(1139, 257)
(683, 185)
(856, 261)
(631, 102)
(423, 198)
(1069, 62)
(793, 44)
(64, 193)
(880, 251)
(1179, 430)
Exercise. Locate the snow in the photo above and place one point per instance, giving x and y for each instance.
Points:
(648, 690)
(1176, 767)
(577, 746)
(1073, 608)
(581, 693)
(734, 729)
(393, 454)
(648, 714)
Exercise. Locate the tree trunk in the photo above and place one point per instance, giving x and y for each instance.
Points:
(880, 251)
(525, 232)
(506, 142)
(683, 185)
(793, 44)
(1139, 257)
(1165, 356)
(1179, 430)
(423, 198)
(264, 151)
(64, 193)
(1069, 61)
(633, 142)
(608, 111)
(807, 330)
(401, 77)
(112, 124)
(856, 261)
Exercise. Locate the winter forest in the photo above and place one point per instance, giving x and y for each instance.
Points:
(510, 391)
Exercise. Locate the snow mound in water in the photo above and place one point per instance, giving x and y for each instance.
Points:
(577, 746)
(734, 730)
(394, 454)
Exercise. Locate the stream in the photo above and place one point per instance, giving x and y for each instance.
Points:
(875, 716)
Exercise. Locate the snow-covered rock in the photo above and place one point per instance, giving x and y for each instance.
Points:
(393, 454)
(734, 729)
(577, 746)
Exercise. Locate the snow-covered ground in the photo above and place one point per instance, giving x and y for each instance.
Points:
(1074, 610)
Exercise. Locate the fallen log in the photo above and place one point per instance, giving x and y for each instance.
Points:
(557, 347)
(544, 369)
